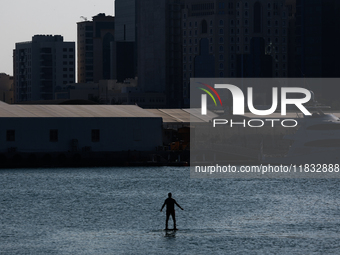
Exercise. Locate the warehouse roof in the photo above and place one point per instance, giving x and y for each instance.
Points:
(182, 115)
(46, 111)
(102, 111)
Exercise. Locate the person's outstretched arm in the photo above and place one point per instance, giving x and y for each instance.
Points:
(163, 206)
(178, 205)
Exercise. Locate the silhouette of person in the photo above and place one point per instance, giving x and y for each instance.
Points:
(170, 210)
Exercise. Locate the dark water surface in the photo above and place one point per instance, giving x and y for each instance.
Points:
(116, 211)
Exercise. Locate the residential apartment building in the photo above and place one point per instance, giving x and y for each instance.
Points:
(94, 44)
(41, 65)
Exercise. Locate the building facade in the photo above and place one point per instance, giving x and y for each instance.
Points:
(234, 39)
(318, 50)
(125, 20)
(41, 65)
(125, 46)
(94, 48)
(6, 88)
(160, 49)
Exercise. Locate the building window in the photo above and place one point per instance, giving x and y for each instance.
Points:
(221, 23)
(221, 31)
(10, 135)
(204, 27)
(95, 135)
(53, 135)
(221, 39)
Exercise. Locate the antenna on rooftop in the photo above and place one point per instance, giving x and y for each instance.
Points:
(84, 18)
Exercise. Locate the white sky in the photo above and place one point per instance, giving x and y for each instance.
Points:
(21, 19)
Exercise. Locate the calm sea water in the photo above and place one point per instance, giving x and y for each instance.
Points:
(117, 211)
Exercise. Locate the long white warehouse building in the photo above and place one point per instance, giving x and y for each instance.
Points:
(71, 128)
